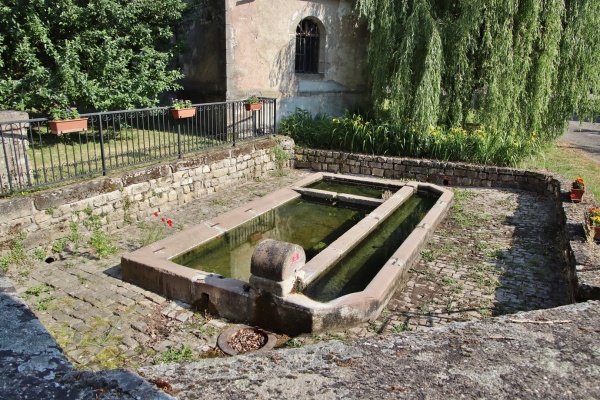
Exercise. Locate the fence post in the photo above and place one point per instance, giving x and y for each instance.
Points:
(233, 109)
(179, 120)
(102, 155)
(274, 117)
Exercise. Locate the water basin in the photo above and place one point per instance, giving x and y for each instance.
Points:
(343, 262)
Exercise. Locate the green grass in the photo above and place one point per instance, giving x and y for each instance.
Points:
(53, 157)
(569, 163)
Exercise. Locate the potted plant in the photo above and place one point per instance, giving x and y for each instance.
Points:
(253, 103)
(65, 120)
(577, 190)
(592, 219)
(592, 222)
(182, 109)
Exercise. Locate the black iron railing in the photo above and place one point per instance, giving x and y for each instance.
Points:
(32, 155)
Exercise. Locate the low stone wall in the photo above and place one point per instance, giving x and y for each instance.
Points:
(580, 267)
(131, 196)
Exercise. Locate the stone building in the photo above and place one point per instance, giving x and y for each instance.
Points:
(307, 54)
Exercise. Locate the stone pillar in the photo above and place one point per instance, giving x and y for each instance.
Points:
(275, 266)
(15, 169)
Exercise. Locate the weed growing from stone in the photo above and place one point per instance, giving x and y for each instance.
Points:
(59, 245)
(403, 327)
(427, 255)
(281, 156)
(39, 254)
(155, 230)
(447, 281)
(45, 302)
(175, 355)
(100, 241)
(38, 289)
(294, 343)
(16, 255)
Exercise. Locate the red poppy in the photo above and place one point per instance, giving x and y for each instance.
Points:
(156, 214)
(169, 222)
(163, 219)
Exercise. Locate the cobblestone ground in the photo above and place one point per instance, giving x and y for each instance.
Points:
(494, 254)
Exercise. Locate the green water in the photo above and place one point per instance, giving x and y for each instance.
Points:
(310, 224)
(348, 188)
(356, 270)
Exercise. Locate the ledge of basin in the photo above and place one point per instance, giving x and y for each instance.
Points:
(363, 179)
(360, 200)
(317, 193)
(434, 216)
(266, 203)
(317, 176)
(354, 235)
(432, 188)
(179, 243)
(320, 263)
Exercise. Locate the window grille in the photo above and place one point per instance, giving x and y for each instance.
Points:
(307, 47)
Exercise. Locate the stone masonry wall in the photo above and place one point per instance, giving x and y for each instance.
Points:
(131, 196)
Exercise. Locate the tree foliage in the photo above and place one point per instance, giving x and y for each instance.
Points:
(513, 65)
(103, 54)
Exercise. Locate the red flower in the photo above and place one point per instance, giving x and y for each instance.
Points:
(156, 214)
(169, 222)
(163, 219)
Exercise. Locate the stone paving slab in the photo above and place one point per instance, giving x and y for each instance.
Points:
(536, 355)
(33, 366)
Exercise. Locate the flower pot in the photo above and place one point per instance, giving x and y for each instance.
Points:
(253, 106)
(68, 125)
(593, 231)
(576, 195)
(183, 112)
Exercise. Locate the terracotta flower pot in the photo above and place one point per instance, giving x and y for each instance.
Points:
(576, 195)
(183, 112)
(68, 125)
(253, 106)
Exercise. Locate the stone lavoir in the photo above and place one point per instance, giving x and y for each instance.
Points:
(352, 271)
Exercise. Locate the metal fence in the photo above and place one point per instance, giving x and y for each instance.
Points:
(33, 155)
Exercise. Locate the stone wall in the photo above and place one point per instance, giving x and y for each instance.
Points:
(438, 172)
(131, 196)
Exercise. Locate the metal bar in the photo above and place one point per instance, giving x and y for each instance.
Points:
(102, 154)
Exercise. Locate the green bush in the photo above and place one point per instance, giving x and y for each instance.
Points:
(358, 134)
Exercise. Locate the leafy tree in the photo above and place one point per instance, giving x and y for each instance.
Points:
(516, 65)
(104, 54)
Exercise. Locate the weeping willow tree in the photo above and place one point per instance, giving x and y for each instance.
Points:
(514, 65)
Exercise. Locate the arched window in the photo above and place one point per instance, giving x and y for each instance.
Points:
(307, 47)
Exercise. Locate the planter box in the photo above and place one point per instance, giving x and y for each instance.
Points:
(183, 113)
(576, 195)
(253, 106)
(68, 125)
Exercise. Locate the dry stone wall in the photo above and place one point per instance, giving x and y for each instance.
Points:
(438, 172)
(131, 196)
